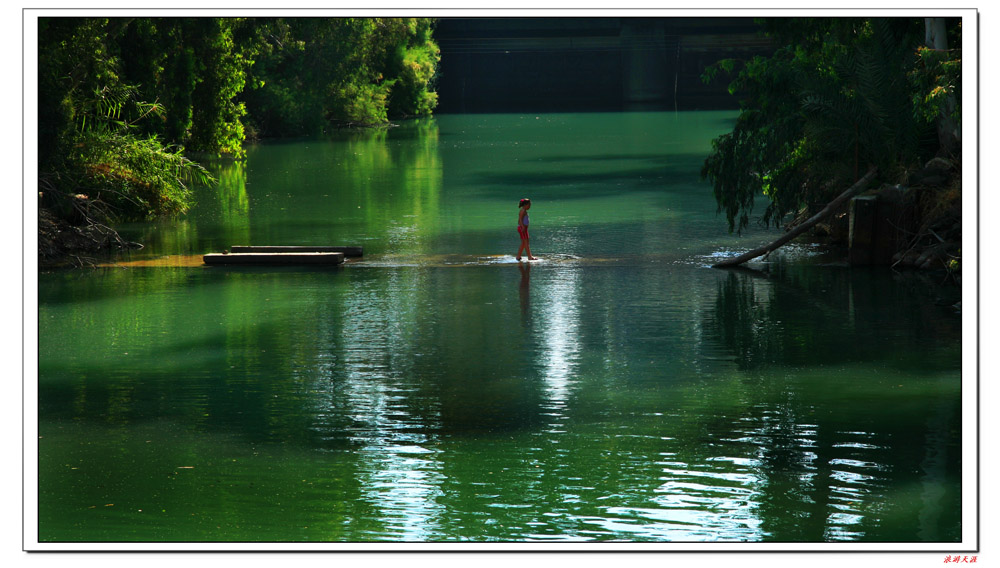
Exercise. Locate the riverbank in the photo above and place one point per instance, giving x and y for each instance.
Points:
(918, 224)
(64, 244)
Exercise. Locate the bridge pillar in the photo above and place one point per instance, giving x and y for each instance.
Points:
(648, 70)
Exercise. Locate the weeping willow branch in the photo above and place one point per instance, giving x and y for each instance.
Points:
(830, 207)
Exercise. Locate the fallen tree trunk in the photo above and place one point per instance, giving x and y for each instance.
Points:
(805, 226)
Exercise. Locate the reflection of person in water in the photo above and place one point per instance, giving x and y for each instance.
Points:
(522, 228)
(525, 296)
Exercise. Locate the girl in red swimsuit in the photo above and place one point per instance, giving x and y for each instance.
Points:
(522, 228)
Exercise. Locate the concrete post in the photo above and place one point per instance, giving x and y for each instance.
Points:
(861, 239)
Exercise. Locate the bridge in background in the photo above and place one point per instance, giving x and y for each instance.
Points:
(579, 64)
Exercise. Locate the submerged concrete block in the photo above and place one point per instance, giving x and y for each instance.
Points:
(880, 226)
(861, 237)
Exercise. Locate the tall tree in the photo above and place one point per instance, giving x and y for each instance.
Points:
(941, 71)
(343, 71)
(119, 95)
(99, 155)
(834, 100)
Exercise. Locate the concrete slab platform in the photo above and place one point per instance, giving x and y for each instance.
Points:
(275, 258)
(348, 251)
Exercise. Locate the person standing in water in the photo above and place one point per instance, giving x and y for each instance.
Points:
(522, 228)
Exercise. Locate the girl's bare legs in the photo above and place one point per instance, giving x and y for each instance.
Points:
(526, 247)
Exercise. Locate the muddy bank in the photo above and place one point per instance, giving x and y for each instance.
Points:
(914, 224)
(65, 244)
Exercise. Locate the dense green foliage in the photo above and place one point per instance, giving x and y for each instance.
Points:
(123, 100)
(95, 156)
(133, 177)
(837, 96)
(359, 71)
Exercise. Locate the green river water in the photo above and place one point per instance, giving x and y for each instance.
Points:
(436, 390)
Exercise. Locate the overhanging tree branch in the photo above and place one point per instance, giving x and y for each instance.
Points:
(805, 226)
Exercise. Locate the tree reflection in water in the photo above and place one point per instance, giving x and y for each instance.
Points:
(837, 414)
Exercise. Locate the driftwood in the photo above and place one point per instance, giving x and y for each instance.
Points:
(805, 226)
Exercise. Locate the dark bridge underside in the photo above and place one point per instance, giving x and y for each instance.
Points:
(580, 64)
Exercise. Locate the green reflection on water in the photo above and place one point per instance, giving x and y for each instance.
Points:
(437, 390)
